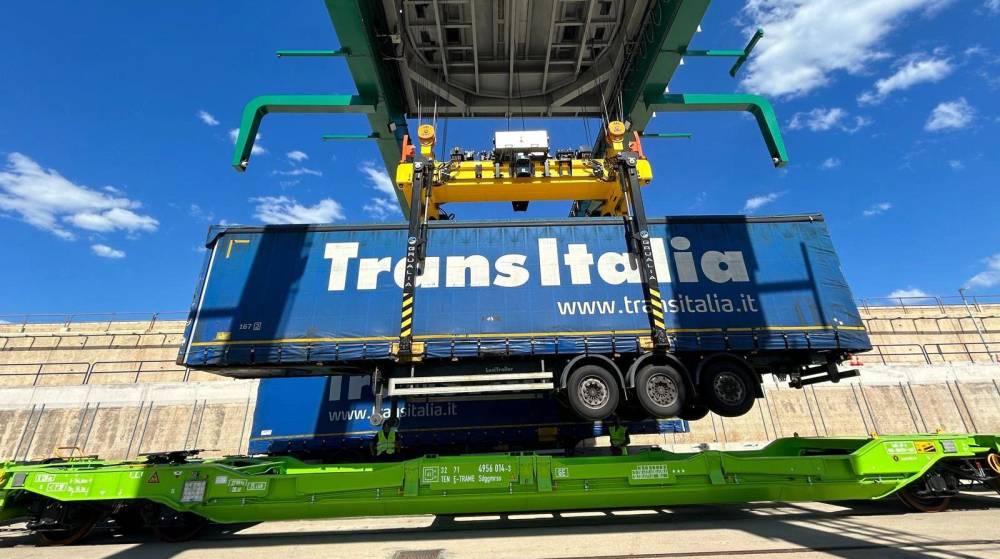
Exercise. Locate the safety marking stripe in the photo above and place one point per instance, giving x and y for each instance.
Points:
(406, 322)
(656, 303)
(407, 312)
(657, 314)
(404, 333)
(654, 293)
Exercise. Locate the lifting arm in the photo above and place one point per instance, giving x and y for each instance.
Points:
(756, 105)
(255, 110)
(416, 240)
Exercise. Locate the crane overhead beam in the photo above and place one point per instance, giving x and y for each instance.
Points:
(362, 29)
(668, 29)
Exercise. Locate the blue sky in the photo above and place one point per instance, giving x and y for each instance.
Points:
(115, 140)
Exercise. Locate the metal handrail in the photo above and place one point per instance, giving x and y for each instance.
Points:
(97, 368)
(978, 301)
(879, 350)
(5, 340)
(67, 319)
(40, 369)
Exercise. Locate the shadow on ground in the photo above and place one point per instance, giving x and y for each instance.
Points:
(835, 529)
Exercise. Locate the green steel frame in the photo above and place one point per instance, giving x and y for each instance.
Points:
(358, 24)
(756, 105)
(646, 78)
(249, 489)
(642, 81)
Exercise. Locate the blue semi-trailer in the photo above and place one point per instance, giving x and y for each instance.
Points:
(329, 418)
(534, 306)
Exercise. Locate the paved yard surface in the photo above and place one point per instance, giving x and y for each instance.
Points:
(865, 529)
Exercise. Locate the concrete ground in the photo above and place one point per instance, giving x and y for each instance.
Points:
(802, 530)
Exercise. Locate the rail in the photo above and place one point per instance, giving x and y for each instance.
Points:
(140, 340)
(91, 373)
(975, 301)
(965, 328)
(931, 354)
(23, 320)
(87, 372)
(117, 340)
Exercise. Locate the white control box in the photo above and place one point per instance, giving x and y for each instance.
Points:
(526, 141)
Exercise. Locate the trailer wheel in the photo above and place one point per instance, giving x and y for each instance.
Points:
(693, 412)
(661, 390)
(592, 392)
(728, 388)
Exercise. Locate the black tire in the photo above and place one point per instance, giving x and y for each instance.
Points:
(592, 392)
(661, 390)
(693, 412)
(728, 388)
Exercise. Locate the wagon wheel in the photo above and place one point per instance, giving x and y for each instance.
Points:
(80, 523)
(919, 503)
(187, 528)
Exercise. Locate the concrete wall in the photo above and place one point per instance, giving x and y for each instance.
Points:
(112, 388)
(123, 421)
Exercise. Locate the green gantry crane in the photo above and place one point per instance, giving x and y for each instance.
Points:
(610, 59)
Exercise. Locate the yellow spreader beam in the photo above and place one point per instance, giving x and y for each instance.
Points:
(549, 179)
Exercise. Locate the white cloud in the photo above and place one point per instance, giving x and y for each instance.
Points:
(297, 156)
(257, 149)
(990, 277)
(950, 115)
(385, 206)
(807, 41)
(47, 200)
(115, 218)
(378, 178)
(275, 210)
(956, 165)
(104, 251)
(298, 172)
(757, 202)
(877, 209)
(822, 119)
(913, 72)
(200, 213)
(830, 163)
(909, 291)
(993, 6)
(207, 118)
(381, 208)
